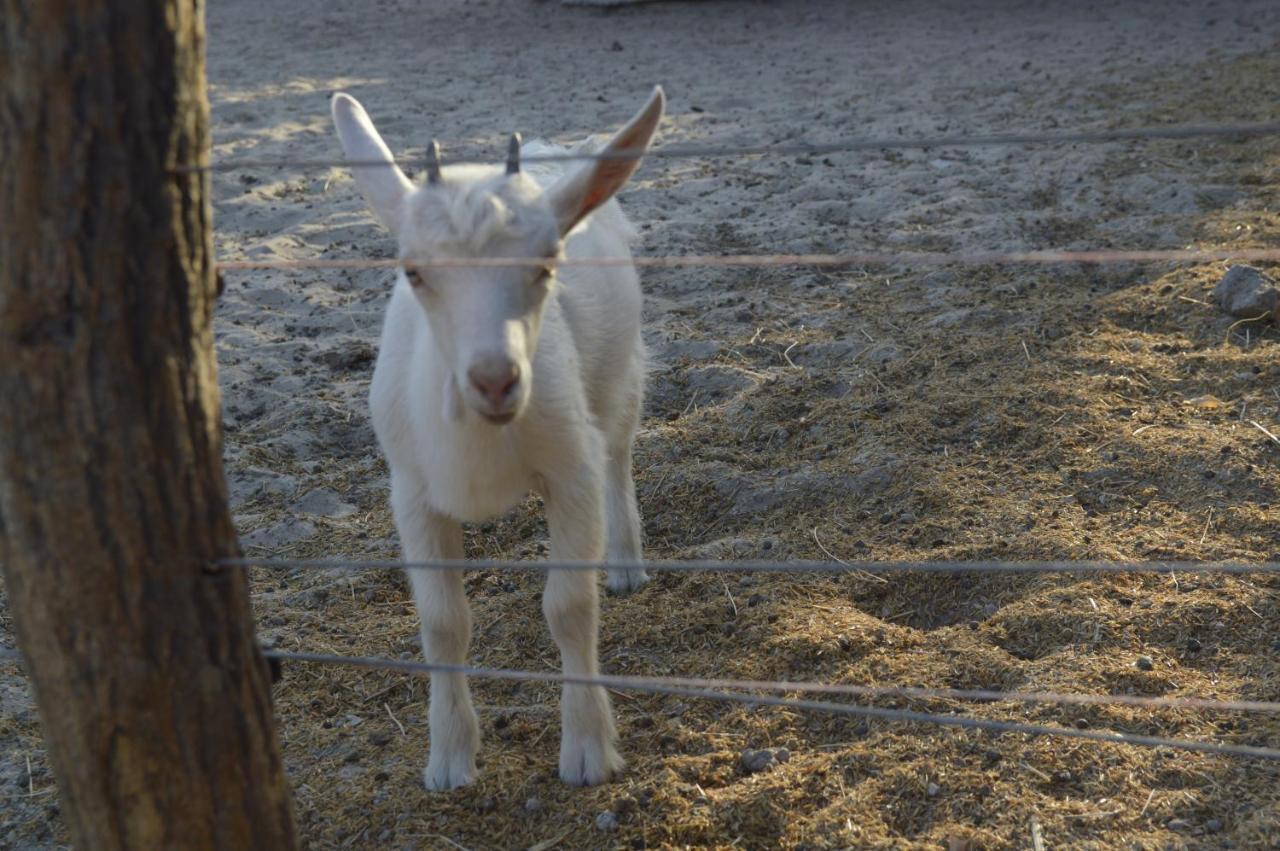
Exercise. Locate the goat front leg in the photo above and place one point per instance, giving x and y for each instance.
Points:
(446, 635)
(575, 515)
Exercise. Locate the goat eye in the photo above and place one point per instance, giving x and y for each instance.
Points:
(414, 276)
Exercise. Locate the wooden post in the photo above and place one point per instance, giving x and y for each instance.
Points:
(154, 699)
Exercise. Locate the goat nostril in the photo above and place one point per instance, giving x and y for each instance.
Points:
(495, 385)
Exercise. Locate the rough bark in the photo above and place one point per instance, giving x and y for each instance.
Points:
(154, 699)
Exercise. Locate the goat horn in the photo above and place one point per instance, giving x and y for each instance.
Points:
(433, 162)
(513, 154)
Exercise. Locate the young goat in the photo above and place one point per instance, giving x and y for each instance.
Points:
(495, 381)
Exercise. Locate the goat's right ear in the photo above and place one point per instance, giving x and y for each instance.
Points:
(383, 186)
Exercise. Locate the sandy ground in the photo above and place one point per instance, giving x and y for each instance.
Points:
(870, 413)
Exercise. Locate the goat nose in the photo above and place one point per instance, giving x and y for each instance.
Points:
(495, 378)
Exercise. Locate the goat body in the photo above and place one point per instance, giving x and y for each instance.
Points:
(492, 382)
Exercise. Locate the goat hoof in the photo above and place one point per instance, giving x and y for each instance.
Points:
(444, 774)
(624, 580)
(589, 764)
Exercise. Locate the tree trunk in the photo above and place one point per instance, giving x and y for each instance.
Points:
(154, 699)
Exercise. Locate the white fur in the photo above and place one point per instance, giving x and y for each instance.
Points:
(574, 341)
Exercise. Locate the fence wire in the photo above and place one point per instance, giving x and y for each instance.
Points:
(929, 694)
(733, 691)
(840, 689)
(707, 690)
(803, 149)
(844, 259)
(821, 567)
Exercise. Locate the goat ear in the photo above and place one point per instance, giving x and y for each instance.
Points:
(383, 186)
(587, 187)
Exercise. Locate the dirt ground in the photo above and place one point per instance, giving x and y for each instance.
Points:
(871, 413)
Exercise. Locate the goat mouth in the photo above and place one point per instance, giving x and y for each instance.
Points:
(500, 419)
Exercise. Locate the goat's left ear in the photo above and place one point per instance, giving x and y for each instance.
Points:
(587, 187)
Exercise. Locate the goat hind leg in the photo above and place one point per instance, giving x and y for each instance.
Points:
(626, 571)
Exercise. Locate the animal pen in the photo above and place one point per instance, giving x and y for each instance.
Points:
(931, 570)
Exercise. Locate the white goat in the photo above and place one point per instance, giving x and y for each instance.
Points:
(492, 382)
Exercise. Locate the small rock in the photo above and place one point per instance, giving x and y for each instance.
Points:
(284, 532)
(1247, 293)
(348, 358)
(1214, 825)
(607, 821)
(671, 350)
(532, 805)
(1217, 197)
(1177, 824)
(324, 502)
(932, 790)
(1144, 663)
(754, 761)
(949, 319)
(1194, 645)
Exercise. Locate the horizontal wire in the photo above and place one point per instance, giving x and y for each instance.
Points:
(838, 567)
(1191, 131)
(683, 687)
(923, 693)
(713, 689)
(862, 258)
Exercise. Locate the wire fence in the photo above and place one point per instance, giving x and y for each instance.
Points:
(802, 149)
(829, 260)
(861, 258)
(821, 567)
(737, 691)
(746, 692)
(843, 689)
(712, 689)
